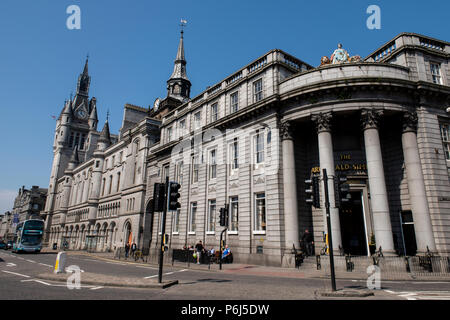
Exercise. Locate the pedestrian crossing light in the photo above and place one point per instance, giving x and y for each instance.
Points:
(312, 191)
(159, 196)
(341, 191)
(174, 195)
(223, 215)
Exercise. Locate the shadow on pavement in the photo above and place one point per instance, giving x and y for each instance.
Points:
(213, 280)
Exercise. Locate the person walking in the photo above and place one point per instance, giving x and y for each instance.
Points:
(127, 249)
(199, 248)
(308, 241)
(133, 248)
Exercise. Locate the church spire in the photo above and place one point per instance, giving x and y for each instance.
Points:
(179, 85)
(84, 80)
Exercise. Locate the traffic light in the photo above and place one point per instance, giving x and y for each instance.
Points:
(159, 197)
(341, 191)
(174, 195)
(223, 216)
(312, 191)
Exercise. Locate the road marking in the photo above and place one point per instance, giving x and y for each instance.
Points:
(47, 265)
(166, 274)
(96, 288)
(9, 264)
(17, 274)
(31, 261)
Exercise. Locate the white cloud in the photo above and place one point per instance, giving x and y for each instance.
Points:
(7, 200)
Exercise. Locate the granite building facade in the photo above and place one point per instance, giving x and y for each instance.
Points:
(251, 140)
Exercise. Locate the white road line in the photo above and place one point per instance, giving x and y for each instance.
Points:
(166, 274)
(47, 265)
(96, 288)
(31, 261)
(9, 264)
(17, 274)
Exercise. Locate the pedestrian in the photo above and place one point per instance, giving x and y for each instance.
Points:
(199, 248)
(226, 254)
(308, 242)
(133, 249)
(127, 249)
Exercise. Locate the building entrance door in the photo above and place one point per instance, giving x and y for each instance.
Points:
(353, 231)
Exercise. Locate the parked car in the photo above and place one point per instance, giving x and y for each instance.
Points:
(3, 245)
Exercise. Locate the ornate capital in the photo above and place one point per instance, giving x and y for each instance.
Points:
(323, 121)
(410, 121)
(286, 130)
(370, 118)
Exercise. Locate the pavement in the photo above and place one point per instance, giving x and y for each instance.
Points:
(30, 276)
(306, 271)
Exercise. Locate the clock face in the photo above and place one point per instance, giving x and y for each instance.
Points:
(81, 113)
(156, 104)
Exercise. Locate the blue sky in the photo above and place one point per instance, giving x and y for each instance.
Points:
(132, 45)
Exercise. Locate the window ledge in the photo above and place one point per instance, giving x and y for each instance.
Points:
(232, 232)
(259, 232)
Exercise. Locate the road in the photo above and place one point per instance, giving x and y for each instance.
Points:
(18, 281)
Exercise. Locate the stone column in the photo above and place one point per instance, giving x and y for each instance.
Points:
(326, 159)
(416, 185)
(289, 187)
(377, 184)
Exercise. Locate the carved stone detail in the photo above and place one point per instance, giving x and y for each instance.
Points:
(370, 118)
(410, 121)
(286, 130)
(323, 121)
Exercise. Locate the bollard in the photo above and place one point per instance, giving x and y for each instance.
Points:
(319, 266)
(349, 263)
(60, 263)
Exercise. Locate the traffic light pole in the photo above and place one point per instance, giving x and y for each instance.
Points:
(330, 241)
(163, 231)
(220, 258)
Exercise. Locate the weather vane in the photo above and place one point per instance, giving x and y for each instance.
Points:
(183, 24)
(107, 116)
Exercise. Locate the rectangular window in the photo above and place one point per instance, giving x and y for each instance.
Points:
(83, 141)
(197, 120)
(234, 214)
(192, 218)
(436, 73)
(259, 148)
(234, 102)
(169, 134)
(211, 216)
(182, 128)
(179, 172)
(165, 173)
(212, 165)
(118, 182)
(214, 114)
(445, 134)
(71, 140)
(260, 212)
(257, 90)
(194, 169)
(234, 152)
